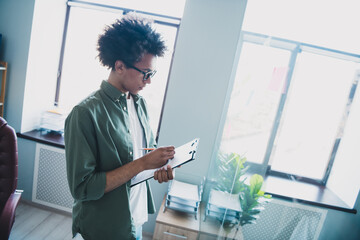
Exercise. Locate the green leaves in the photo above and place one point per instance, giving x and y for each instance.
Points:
(230, 169)
(252, 200)
(256, 182)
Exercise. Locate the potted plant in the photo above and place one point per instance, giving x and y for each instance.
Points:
(230, 179)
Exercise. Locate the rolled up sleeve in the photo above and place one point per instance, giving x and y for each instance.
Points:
(86, 182)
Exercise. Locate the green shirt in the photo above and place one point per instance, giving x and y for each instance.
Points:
(97, 140)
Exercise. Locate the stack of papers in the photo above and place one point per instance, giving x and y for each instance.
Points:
(184, 197)
(223, 206)
(53, 120)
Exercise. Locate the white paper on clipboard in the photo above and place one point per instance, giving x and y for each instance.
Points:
(183, 154)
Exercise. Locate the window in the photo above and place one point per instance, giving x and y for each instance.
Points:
(289, 106)
(295, 97)
(313, 115)
(80, 72)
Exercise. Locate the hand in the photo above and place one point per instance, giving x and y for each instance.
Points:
(158, 157)
(164, 175)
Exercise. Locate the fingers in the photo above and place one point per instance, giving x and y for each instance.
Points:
(169, 152)
(169, 148)
(170, 174)
(158, 157)
(164, 175)
(158, 176)
(164, 153)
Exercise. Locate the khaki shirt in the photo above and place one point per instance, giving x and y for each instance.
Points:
(97, 140)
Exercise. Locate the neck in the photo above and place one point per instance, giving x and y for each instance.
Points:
(116, 81)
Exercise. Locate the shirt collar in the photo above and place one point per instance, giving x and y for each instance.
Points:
(114, 93)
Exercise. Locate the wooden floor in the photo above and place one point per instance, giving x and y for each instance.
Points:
(32, 222)
(37, 223)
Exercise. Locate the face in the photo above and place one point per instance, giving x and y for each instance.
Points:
(133, 80)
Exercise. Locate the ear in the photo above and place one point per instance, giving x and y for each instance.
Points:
(119, 66)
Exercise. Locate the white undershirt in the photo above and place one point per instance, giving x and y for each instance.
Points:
(138, 193)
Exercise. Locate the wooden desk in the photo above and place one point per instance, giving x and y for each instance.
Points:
(212, 229)
(175, 225)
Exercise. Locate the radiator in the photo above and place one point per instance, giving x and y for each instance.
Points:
(50, 185)
(286, 220)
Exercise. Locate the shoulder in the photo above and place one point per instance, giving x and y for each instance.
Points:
(91, 101)
(86, 107)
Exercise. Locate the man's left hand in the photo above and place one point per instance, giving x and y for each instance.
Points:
(164, 175)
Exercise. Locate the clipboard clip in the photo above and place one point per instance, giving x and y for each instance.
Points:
(193, 152)
(196, 140)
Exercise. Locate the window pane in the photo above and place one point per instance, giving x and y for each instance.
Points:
(174, 8)
(254, 101)
(154, 92)
(311, 118)
(345, 171)
(82, 72)
(326, 23)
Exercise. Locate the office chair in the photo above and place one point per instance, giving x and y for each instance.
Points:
(9, 196)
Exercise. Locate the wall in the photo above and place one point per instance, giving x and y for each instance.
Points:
(341, 225)
(15, 25)
(203, 68)
(192, 93)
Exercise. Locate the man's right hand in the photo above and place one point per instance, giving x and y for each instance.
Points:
(158, 157)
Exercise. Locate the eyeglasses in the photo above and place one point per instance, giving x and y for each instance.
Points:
(147, 74)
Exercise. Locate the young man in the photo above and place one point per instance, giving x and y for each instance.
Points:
(104, 135)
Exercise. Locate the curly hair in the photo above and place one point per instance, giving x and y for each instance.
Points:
(128, 40)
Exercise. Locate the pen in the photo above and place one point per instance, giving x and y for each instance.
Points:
(149, 149)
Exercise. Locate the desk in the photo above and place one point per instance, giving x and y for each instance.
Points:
(212, 229)
(175, 225)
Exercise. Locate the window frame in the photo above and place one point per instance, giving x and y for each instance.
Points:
(157, 18)
(295, 48)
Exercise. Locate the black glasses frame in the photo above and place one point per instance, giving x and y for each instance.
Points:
(147, 74)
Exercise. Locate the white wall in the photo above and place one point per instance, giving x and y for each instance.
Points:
(204, 66)
(15, 26)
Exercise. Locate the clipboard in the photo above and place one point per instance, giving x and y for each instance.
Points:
(183, 154)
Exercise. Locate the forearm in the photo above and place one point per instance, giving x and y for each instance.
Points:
(152, 160)
(123, 174)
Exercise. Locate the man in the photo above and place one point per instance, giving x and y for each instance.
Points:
(104, 135)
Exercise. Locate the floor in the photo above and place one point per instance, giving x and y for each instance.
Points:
(34, 222)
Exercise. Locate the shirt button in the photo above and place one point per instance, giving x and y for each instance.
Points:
(123, 94)
(124, 108)
(130, 153)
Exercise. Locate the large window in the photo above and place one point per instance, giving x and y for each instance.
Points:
(80, 72)
(289, 106)
(295, 97)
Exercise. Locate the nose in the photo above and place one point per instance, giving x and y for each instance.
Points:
(148, 81)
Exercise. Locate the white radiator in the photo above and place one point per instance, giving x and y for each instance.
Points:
(286, 220)
(50, 185)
